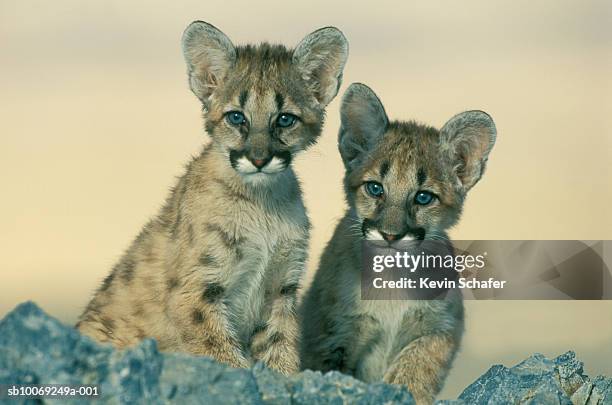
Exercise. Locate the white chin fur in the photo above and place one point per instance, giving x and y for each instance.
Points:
(375, 235)
(275, 165)
(257, 178)
(244, 166)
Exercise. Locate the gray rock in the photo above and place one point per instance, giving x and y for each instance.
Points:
(594, 392)
(190, 380)
(37, 349)
(273, 390)
(539, 380)
(335, 388)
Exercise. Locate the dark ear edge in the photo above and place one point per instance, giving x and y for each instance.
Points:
(469, 137)
(363, 121)
(321, 57)
(208, 53)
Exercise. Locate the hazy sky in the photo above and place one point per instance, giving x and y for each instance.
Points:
(96, 120)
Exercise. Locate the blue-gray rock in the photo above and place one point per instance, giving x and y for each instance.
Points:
(595, 392)
(37, 349)
(335, 388)
(539, 380)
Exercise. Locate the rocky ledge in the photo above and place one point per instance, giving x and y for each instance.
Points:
(38, 349)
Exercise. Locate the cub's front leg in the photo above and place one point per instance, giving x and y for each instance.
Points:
(201, 318)
(422, 366)
(276, 341)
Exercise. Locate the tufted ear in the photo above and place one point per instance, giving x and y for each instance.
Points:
(469, 137)
(362, 122)
(320, 57)
(209, 54)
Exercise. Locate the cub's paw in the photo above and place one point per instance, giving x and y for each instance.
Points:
(234, 358)
(281, 356)
(422, 394)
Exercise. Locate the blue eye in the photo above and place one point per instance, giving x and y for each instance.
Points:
(374, 189)
(235, 118)
(423, 197)
(286, 120)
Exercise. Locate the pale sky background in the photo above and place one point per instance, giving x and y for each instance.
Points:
(96, 120)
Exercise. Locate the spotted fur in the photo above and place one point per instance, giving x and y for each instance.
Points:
(215, 273)
(401, 342)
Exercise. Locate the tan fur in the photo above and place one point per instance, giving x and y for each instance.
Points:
(422, 365)
(409, 342)
(217, 272)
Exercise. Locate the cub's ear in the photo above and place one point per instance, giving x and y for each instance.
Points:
(362, 122)
(320, 58)
(209, 54)
(469, 137)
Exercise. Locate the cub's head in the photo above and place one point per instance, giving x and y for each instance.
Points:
(405, 180)
(263, 104)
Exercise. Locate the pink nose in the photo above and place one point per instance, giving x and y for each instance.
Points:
(388, 237)
(259, 163)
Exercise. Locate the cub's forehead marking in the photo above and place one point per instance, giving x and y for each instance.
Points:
(258, 105)
(421, 176)
(384, 169)
(261, 105)
(280, 101)
(290, 106)
(242, 99)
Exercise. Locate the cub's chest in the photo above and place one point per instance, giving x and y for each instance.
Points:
(388, 314)
(261, 237)
(389, 317)
(263, 229)
(261, 233)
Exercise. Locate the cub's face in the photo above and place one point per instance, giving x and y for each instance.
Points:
(404, 190)
(264, 115)
(263, 104)
(404, 180)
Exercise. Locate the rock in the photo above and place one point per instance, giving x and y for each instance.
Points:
(539, 380)
(37, 349)
(598, 391)
(336, 388)
(189, 379)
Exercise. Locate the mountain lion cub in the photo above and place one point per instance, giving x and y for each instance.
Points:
(216, 271)
(404, 181)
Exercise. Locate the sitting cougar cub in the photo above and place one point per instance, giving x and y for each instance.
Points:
(403, 181)
(216, 272)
